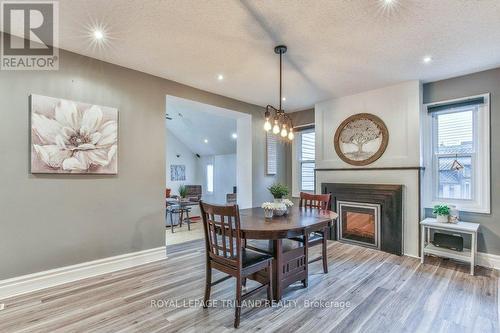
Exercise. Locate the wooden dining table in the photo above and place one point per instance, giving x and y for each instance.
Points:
(290, 264)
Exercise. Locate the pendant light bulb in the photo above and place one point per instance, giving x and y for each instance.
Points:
(267, 125)
(284, 132)
(291, 135)
(276, 128)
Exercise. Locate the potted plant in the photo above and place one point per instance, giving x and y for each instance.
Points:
(442, 213)
(182, 191)
(278, 191)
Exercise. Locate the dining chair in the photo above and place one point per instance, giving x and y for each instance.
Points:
(174, 208)
(225, 252)
(316, 201)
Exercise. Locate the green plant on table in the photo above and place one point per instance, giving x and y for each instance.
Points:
(441, 210)
(278, 190)
(182, 191)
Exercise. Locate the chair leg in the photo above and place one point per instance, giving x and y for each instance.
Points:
(270, 282)
(208, 283)
(324, 252)
(188, 220)
(181, 216)
(171, 222)
(305, 282)
(237, 310)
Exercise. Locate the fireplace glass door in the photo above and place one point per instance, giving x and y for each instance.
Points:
(359, 223)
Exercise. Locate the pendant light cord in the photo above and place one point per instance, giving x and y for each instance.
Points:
(281, 55)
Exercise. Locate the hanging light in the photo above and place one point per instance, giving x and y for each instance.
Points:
(284, 132)
(267, 125)
(276, 128)
(281, 120)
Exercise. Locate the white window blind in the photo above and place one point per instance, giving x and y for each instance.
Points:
(271, 154)
(307, 160)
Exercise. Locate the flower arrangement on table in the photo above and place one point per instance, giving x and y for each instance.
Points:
(276, 208)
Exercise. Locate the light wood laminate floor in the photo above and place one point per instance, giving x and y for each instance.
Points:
(374, 291)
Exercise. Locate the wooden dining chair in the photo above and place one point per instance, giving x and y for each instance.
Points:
(226, 253)
(317, 201)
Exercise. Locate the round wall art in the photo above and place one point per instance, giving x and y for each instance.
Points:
(361, 139)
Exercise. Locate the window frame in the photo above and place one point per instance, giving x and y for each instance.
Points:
(301, 161)
(480, 158)
(208, 177)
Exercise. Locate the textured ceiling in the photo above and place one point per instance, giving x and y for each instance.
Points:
(336, 47)
(193, 122)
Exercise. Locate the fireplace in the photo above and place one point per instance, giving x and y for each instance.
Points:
(370, 215)
(359, 223)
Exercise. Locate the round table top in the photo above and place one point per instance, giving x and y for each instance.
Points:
(254, 225)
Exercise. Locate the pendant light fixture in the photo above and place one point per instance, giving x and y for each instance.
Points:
(276, 119)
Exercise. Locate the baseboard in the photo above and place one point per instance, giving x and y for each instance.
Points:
(32, 282)
(488, 260)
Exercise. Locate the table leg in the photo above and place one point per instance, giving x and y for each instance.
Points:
(422, 244)
(277, 270)
(473, 253)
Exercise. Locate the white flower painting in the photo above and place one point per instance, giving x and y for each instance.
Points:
(72, 137)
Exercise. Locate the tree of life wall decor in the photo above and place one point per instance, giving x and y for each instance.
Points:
(361, 139)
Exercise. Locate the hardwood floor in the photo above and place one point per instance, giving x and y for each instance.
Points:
(379, 293)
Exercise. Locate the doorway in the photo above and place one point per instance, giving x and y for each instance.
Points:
(208, 157)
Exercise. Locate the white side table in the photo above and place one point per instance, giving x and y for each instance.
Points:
(467, 255)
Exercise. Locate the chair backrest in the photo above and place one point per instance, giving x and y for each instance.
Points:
(321, 201)
(222, 233)
(231, 198)
(193, 192)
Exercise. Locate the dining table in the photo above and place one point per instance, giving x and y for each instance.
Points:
(290, 264)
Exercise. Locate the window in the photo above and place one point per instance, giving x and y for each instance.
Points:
(306, 158)
(459, 132)
(210, 177)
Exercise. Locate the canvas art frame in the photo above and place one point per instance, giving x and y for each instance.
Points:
(70, 137)
(358, 131)
(177, 172)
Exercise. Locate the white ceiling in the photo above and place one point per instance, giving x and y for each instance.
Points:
(336, 48)
(193, 122)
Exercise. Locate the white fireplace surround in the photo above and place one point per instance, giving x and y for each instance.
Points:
(399, 106)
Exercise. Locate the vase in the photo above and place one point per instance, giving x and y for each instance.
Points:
(454, 214)
(442, 218)
(278, 200)
(268, 213)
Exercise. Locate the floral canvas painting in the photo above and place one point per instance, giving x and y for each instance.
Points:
(73, 137)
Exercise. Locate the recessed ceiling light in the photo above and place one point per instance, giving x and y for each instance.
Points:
(388, 6)
(98, 34)
(427, 59)
(234, 136)
(206, 140)
(220, 77)
(283, 99)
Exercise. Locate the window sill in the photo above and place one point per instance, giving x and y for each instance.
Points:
(471, 208)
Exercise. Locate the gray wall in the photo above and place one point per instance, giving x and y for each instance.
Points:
(474, 84)
(51, 221)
